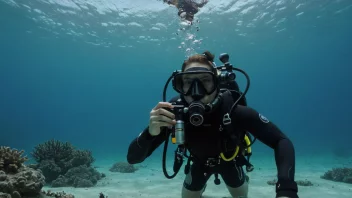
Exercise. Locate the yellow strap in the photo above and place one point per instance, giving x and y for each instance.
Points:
(231, 158)
(249, 150)
(246, 139)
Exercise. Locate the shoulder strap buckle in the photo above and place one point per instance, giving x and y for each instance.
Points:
(226, 120)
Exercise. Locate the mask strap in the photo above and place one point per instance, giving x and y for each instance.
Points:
(197, 69)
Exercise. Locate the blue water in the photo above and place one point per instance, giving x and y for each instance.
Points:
(55, 84)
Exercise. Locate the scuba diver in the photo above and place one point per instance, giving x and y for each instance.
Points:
(186, 8)
(205, 120)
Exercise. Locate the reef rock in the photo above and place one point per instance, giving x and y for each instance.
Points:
(304, 183)
(339, 175)
(27, 182)
(57, 194)
(123, 167)
(78, 177)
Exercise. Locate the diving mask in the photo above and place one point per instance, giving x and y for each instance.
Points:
(195, 82)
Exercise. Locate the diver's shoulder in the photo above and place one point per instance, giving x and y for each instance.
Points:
(244, 109)
(241, 106)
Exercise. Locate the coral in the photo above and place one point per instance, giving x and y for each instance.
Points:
(79, 157)
(56, 158)
(304, 183)
(81, 176)
(53, 150)
(50, 170)
(123, 167)
(57, 194)
(339, 175)
(25, 183)
(11, 159)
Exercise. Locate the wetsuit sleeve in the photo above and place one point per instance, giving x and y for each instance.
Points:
(268, 133)
(144, 145)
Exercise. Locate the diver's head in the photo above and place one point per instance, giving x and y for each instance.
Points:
(198, 79)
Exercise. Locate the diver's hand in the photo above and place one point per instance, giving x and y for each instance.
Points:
(160, 117)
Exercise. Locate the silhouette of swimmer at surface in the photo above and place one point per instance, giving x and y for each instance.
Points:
(186, 8)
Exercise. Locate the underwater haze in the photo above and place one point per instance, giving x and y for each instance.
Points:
(90, 71)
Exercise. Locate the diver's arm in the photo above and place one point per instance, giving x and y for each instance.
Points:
(268, 133)
(144, 145)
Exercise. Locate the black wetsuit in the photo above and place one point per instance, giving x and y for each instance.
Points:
(204, 143)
